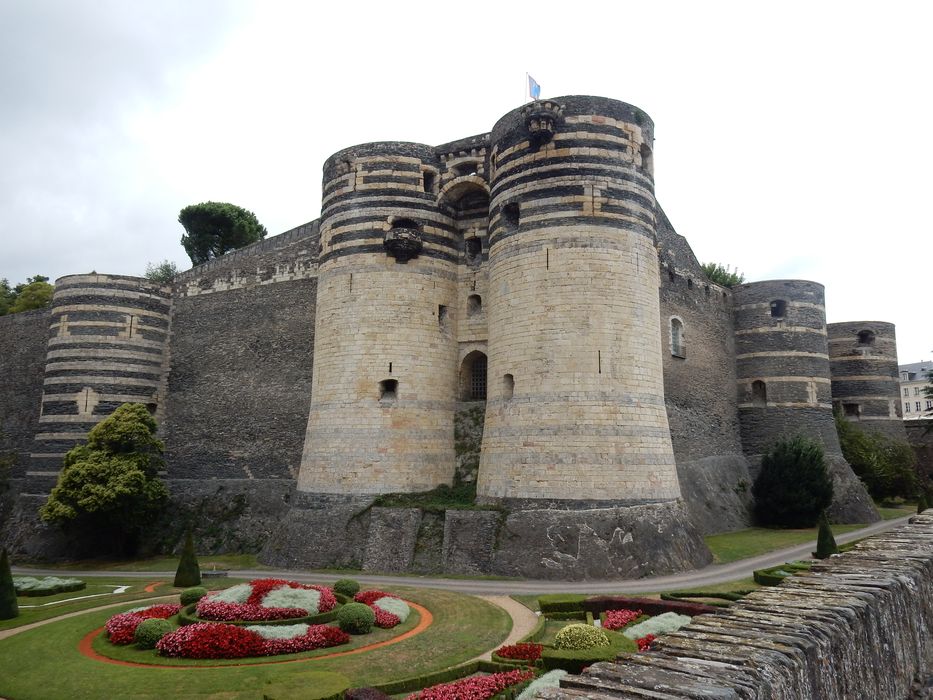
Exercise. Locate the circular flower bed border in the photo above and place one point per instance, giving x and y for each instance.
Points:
(85, 647)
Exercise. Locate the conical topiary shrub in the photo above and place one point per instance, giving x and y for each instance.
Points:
(8, 607)
(188, 573)
(825, 542)
(922, 504)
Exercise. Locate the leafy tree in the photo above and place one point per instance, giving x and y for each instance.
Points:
(188, 572)
(214, 228)
(109, 487)
(928, 389)
(34, 293)
(922, 504)
(885, 465)
(722, 275)
(8, 605)
(163, 273)
(825, 542)
(794, 486)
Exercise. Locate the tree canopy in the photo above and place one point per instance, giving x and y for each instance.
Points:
(34, 293)
(215, 228)
(722, 275)
(794, 485)
(885, 465)
(163, 272)
(110, 485)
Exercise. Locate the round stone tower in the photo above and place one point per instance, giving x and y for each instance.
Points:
(385, 359)
(863, 365)
(575, 406)
(107, 346)
(783, 374)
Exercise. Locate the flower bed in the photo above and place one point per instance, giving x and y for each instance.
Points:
(474, 687)
(523, 651)
(120, 628)
(389, 609)
(206, 640)
(265, 600)
(617, 619)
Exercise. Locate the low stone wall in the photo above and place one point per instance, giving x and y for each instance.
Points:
(855, 626)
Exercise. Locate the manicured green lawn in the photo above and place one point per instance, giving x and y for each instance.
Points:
(35, 608)
(742, 544)
(221, 562)
(898, 512)
(45, 664)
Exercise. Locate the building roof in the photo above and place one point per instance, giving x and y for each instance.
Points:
(916, 370)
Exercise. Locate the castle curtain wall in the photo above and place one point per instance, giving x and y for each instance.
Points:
(23, 339)
(241, 357)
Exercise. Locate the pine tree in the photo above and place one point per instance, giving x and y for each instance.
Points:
(8, 607)
(922, 504)
(825, 542)
(794, 486)
(188, 573)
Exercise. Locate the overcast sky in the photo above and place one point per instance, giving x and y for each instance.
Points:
(793, 139)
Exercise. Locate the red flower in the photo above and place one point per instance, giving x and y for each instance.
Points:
(369, 597)
(524, 651)
(644, 644)
(224, 612)
(205, 640)
(474, 687)
(120, 628)
(384, 618)
(617, 619)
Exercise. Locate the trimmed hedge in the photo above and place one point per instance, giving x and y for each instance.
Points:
(561, 602)
(347, 587)
(649, 606)
(192, 595)
(577, 615)
(537, 632)
(150, 631)
(187, 616)
(575, 660)
(356, 618)
(729, 595)
(772, 576)
(188, 573)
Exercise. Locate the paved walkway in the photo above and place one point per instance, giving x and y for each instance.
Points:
(523, 621)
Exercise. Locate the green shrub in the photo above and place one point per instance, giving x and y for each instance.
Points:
(580, 636)
(885, 465)
(347, 587)
(150, 631)
(8, 606)
(659, 624)
(561, 602)
(825, 542)
(188, 572)
(192, 595)
(356, 618)
(575, 660)
(922, 504)
(794, 486)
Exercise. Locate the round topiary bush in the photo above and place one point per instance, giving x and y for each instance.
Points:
(580, 636)
(192, 595)
(347, 587)
(150, 631)
(356, 618)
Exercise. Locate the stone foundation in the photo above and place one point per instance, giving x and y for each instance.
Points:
(543, 543)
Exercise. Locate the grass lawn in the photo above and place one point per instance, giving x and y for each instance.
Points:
(221, 562)
(45, 664)
(36, 608)
(742, 544)
(897, 512)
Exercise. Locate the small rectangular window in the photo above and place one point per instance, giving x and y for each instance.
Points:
(906, 392)
(929, 405)
(907, 407)
(917, 404)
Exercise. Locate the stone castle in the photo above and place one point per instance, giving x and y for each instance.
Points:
(526, 276)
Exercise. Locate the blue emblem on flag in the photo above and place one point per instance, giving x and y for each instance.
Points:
(534, 90)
